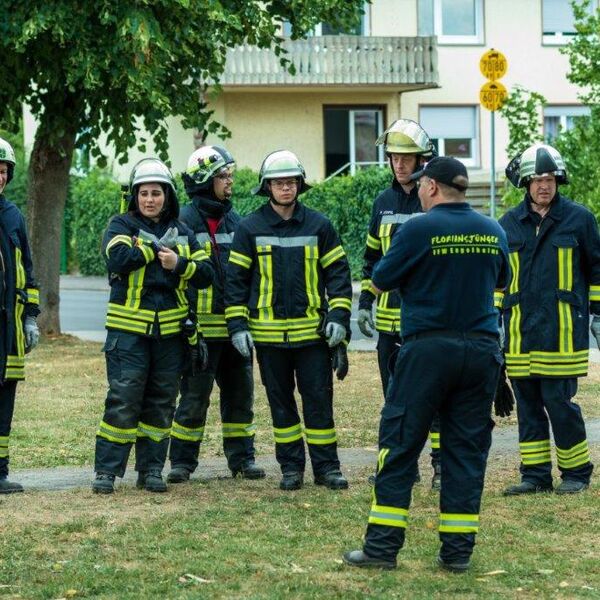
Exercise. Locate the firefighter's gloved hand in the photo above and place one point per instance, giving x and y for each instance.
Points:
(32, 334)
(242, 342)
(504, 401)
(202, 354)
(339, 361)
(595, 328)
(335, 333)
(365, 322)
(169, 240)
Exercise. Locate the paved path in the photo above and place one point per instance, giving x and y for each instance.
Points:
(504, 444)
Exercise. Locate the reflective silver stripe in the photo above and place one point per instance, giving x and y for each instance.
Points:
(203, 238)
(146, 235)
(224, 238)
(399, 218)
(287, 242)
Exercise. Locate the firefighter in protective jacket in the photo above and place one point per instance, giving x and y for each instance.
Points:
(288, 290)
(19, 307)
(407, 147)
(555, 262)
(151, 258)
(208, 183)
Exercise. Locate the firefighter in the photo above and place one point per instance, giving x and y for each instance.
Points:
(449, 362)
(208, 182)
(151, 258)
(288, 290)
(19, 307)
(555, 259)
(407, 147)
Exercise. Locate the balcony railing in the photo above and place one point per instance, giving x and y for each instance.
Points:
(337, 60)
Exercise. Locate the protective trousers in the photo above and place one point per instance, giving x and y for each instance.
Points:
(387, 348)
(8, 392)
(457, 377)
(538, 399)
(233, 374)
(310, 367)
(143, 378)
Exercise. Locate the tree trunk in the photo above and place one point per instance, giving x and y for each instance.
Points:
(49, 168)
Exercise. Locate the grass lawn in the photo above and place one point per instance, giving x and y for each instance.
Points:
(226, 538)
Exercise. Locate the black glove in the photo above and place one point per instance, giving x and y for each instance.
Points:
(339, 361)
(504, 401)
(193, 360)
(202, 360)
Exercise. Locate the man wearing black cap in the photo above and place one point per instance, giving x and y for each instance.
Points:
(449, 266)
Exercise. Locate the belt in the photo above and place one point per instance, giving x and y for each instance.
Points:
(450, 333)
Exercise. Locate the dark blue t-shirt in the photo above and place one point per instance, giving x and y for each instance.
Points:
(446, 265)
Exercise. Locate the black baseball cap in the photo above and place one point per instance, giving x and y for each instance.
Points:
(444, 169)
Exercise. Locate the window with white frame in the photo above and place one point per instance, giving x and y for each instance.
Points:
(558, 21)
(453, 130)
(452, 21)
(363, 27)
(561, 118)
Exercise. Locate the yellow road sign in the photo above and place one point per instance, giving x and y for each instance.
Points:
(493, 65)
(492, 95)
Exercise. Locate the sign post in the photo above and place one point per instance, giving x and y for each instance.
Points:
(492, 95)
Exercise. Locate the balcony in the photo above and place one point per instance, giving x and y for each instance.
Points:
(404, 62)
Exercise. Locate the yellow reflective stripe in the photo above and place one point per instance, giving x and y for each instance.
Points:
(311, 276)
(594, 293)
(135, 287)
(19, 335)
(331, 256)
(373, 242)
(535, 453)
(366, 285)
(569, 458)
(205, 300)
(381, 458)
(340, 303)
(148, 253)
(536, 445)
(141, 314)
(234, 430)
(156, 434)
(189, 270)
(236, 311)
(240, 259)
(385, 232)
(264, 304)
(198, 255)
(3, 446)
(388, 515)
(33, 296)
(434, 438)
(21, 278)
(116, 434)
(458, 523)
(119, 239)
(553, 364)
(514, 325)
(320, 436)
(124, 324)
(565, 317)
(285, 324)
(187, 434)
(498, 299)
(286, 435)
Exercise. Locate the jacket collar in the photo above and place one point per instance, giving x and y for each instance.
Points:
(273, 218)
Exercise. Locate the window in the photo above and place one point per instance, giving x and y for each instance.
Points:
(453, 21)
(350, 135)
(561, 118)
(558, 21)
(453, 130)
(361, 28)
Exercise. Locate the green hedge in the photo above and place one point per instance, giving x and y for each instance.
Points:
(345, 200)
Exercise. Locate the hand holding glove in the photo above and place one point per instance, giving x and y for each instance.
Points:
(335, 333)
(339, 361)
(504, 401)
(32, 334)
(242, 342)
(169, 240)
(595, 328)
(365, 322)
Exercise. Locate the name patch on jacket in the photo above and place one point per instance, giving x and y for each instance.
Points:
(465, 243)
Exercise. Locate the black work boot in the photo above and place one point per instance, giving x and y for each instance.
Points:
(436, 480)
(333, 480)
(357, 558)
(249, 470)
(9, 487)
(153, 482)
(179, 475)
(571, 486)
(104, 483)
(455, 566)
(293, 480)
(526, 487)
